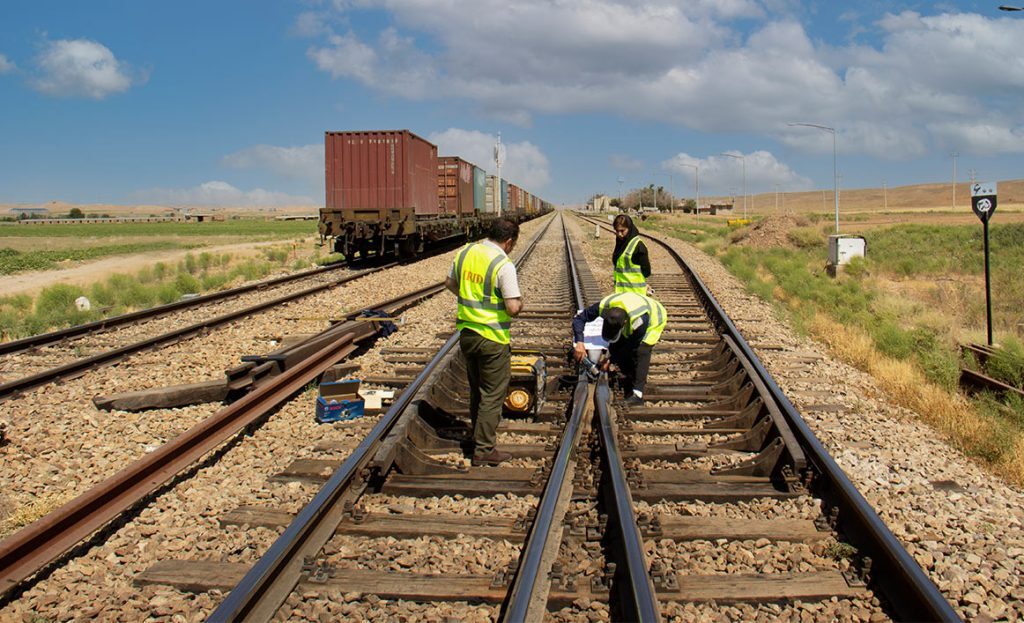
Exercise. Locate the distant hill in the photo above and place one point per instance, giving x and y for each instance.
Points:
(937, 197)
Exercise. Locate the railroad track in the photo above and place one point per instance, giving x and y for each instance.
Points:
(69, 353)
(597, 509)
(590, 483)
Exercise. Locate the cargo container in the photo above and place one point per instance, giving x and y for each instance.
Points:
(514, 197)
(479, 190)
(454, 185)
(505, 192)
(380, 174)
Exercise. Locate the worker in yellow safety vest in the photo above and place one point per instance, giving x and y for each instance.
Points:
(485, 282)
(632, 325)
(630, 259)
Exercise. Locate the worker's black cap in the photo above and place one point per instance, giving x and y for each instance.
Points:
(614, 320)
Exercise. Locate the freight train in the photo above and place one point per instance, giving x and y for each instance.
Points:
(389, 193)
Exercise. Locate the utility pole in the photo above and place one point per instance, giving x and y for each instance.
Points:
(973, 174)
(955, 155)
(776, 198)
(499, 157)
(885, 196)
(620, 191)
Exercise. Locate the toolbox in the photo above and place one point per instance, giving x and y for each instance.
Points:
(339, 400)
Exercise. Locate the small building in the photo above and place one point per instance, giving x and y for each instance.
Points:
(30, 212)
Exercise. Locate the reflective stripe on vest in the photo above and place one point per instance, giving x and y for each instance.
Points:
(480, 306)
(628, 276)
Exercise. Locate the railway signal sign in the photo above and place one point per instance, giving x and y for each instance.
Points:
(983, 199)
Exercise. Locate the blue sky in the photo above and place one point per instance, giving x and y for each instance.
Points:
(225, 103)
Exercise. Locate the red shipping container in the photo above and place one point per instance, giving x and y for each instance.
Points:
(515, 196)
(377, 171)
(454, 185)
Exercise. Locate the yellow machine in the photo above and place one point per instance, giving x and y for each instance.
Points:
(526, 389)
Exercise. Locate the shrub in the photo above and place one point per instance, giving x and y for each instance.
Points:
(187, 284)
(805, 237)
(1007, 364)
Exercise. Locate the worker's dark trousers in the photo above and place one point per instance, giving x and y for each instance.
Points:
(488, 368)
(633, 358)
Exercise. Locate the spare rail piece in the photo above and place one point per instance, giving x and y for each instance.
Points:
(912, 594)
(632, 584)
(153, 312)
(36, 545)
(75, 368)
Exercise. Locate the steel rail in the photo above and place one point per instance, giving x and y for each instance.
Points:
(79, 366)
(258, 595)
(530, 573)
(637, 599)
(31, 548)
(906, 586)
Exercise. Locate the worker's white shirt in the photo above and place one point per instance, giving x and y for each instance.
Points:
(508, 281)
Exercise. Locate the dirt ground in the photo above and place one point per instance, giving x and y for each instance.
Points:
(90, 272)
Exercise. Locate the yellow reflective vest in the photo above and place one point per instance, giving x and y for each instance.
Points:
(481, 307)
(635, 306)
(628, 276)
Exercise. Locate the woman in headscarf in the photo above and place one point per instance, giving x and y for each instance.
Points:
(632, 265)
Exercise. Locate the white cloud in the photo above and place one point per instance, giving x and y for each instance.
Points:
(6, 65)
(981, 137)
(688, 64)
(720, 175)
(304, 163)
(525, 165)
(82, 68)
(218, 193)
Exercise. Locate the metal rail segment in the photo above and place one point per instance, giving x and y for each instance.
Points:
(530, 569)
(637, 600)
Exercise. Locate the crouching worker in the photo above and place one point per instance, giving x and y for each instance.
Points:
(485, 282)
(633, 324)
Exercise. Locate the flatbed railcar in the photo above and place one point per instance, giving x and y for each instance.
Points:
(389, 193)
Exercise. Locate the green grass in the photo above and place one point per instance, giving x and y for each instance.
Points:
(54, 307)
(939, 250)
(13, 261)
(259, 229)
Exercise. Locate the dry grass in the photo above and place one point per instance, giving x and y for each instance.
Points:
(27, 511)
(951, 414)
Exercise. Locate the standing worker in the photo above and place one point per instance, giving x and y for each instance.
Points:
(485, 281)
(632, 265)
(633, 324)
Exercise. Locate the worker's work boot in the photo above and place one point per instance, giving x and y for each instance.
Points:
(634, 401)
(492, 458)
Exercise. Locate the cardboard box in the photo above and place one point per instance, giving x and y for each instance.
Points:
(339, 400)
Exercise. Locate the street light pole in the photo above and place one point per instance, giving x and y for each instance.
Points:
(743, 160)
(498, 159)
(835, 168)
